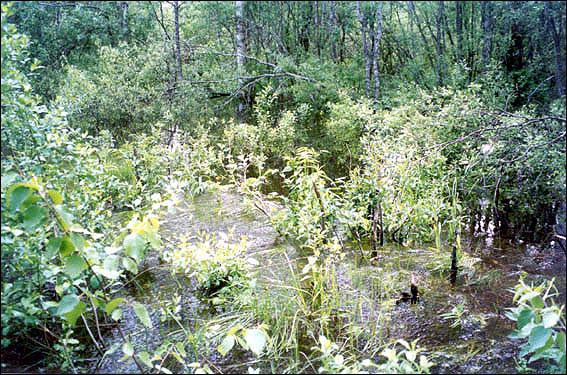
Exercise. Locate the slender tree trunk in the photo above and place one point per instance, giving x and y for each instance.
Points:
(176, 7)
(240, 51)
(425, 44)
(365, 48)
(439, 45)
(486, 16)
(459, 27)
(376, 54)
(411, 13)
(332, 32)
(124, 23)
(317, 29)
(557, 43)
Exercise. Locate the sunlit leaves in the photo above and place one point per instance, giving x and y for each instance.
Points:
(143, 315)
(74, 265)
(71, 307)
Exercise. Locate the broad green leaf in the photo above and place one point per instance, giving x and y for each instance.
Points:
(116, 314)
(143, 315)
(74, 265)
(550, 318)
(525, 317)
(145, 358)
(560, 341)
(110, 306)
(130, 265)
(74, 314)
(165, 370)
(256, 340)
(33, 216)
(16, 196)
(128, 349)
(543, 351)
(113, 275)
(180, 348)
(67, 246)
(226, 345)
(537, 302)
(55, 196)
(65, 218)
(78, 241)
(538, 337)
(134, 246)
(52, 247)
(528, 295)
(67, 304)
(111, 262)
(8, 178)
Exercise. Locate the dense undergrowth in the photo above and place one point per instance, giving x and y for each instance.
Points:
(417, 167)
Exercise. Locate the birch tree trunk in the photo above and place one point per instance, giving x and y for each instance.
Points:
(176, 7)
(365, 48)
(376, 51)
(486, 10)
(240, 50)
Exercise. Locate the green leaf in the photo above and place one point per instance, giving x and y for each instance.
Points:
(117, 314)
(110, 306)
(65, 218)
(181, 349)
(74, 314)
(525, 317)
(145, 358)
(111, 262)
(537, 302)
(143, 315)
(67, 304)
(560, 341)
(52, 247)
(74, 266)
(539, 337)
(128, 349)
(134, 246)
(226, 345)
(67, 246)
(550, 318)
(78, 241)
(256, 340)
(16, 196)
(33, 216)
(543, 351)
(8, 178)
(130, 265)
(55, 196)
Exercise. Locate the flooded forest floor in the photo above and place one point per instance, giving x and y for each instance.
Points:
(476, 343)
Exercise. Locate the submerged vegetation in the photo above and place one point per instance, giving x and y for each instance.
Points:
(283, 187)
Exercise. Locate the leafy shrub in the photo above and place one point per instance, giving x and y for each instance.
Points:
(220, 267)
(542, 321)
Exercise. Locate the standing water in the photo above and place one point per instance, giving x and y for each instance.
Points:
(462, 326)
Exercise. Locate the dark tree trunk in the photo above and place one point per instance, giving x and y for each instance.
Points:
(439, 44)
(487, 26)
(367, 60)
(557, 43)
(459, 27)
